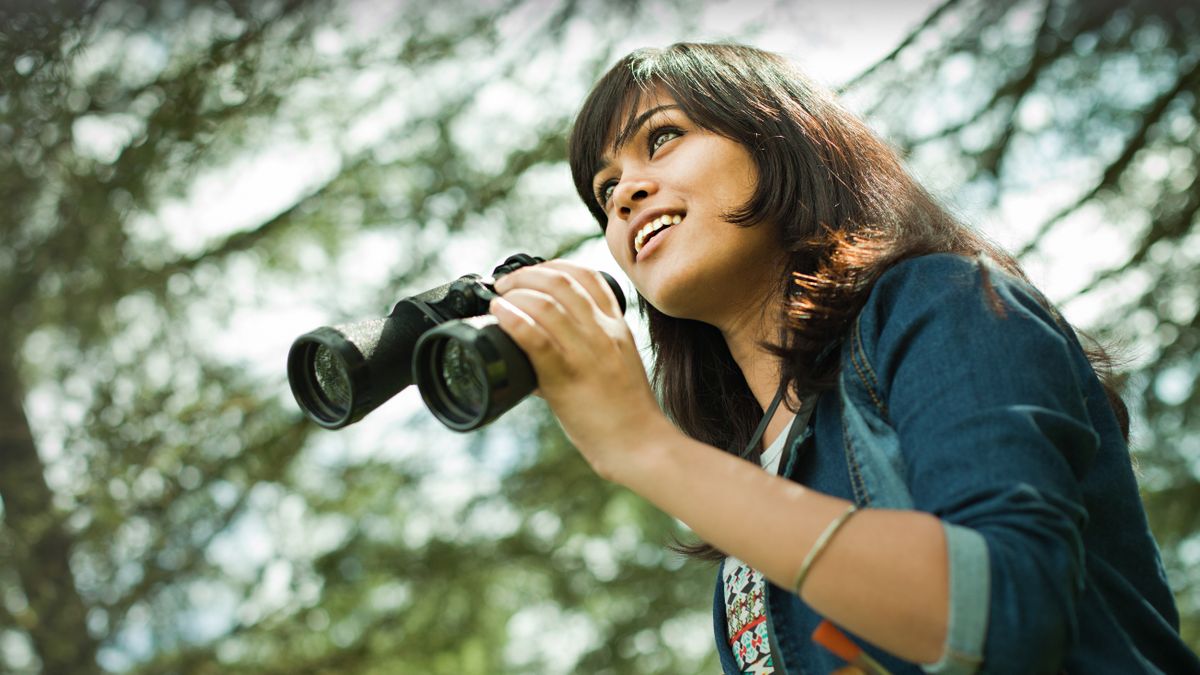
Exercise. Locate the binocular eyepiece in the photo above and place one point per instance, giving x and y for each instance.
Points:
(469, 372)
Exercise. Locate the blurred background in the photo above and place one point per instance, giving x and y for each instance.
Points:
(187, 186)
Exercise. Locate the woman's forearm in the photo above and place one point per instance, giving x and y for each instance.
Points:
(884, 576)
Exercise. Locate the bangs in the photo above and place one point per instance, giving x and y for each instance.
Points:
(732, 90)
(606, 121)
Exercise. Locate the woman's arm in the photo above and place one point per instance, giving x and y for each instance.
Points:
(883, 577)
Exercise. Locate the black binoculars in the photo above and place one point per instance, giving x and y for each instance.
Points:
(468, 370)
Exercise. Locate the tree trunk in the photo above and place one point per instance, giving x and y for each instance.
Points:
(56, 618)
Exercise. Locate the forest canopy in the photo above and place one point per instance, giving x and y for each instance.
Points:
(167, 509)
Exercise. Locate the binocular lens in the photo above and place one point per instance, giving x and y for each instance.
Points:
(329, 379)
(332, 382)
(469, 372)
(463, 382)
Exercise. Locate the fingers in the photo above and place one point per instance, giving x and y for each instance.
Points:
(544, 312)
(580, 290)
(530, 334)
(592, 281)
(561, 314)
(518, 322)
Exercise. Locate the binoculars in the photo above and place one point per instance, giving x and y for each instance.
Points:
(469, 372)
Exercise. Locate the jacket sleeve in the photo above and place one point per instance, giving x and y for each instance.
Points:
(982, 388)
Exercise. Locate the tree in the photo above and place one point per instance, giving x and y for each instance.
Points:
(166, 509)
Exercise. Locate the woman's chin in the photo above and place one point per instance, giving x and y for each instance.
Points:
(676, 292)
(675, 305)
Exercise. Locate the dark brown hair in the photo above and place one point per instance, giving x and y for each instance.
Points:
(846, 210)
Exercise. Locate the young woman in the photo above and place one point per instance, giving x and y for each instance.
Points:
(947, 478)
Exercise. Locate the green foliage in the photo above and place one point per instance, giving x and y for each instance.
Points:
(165, 508)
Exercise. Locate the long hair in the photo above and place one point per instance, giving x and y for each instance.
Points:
(846, 210)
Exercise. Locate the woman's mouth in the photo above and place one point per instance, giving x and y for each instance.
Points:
(652, 228)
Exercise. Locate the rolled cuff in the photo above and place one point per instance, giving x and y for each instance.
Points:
(970, 596)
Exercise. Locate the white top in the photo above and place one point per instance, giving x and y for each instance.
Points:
(770, 457)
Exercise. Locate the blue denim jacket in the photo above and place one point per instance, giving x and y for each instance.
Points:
(990, 417)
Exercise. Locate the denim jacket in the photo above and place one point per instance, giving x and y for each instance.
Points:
(960, 395)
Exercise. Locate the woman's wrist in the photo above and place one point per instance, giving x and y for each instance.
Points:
(646, 453)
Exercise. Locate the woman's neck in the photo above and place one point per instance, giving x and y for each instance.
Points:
(744, 335)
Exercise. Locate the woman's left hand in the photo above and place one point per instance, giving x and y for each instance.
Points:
(566, 319)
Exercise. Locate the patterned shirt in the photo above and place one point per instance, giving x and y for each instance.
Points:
(745, 610)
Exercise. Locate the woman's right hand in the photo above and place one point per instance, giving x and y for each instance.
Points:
(566, 319)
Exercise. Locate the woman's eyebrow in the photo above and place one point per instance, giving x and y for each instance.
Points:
(630, 130)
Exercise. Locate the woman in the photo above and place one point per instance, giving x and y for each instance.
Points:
(948, 479)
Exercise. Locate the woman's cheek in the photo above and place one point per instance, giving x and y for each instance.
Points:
(614, 248)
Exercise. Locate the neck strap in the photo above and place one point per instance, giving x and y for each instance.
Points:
(762, 426)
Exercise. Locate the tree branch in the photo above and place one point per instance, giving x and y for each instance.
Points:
(908, 40)
(1173, 228)
(1188, 81)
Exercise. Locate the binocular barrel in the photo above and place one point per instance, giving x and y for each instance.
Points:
(469, 372)
(339, 374)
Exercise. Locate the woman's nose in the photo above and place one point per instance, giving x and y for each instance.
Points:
(630, 192)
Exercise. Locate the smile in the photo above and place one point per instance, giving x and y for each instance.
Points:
(652, 228)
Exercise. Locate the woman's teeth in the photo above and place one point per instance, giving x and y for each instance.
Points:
(652, 227)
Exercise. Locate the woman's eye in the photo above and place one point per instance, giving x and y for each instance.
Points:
(605, 192)
(661, 136)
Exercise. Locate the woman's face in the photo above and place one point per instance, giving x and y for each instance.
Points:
(694, 264)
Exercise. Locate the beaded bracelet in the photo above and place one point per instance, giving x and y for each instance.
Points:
(819, 547)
